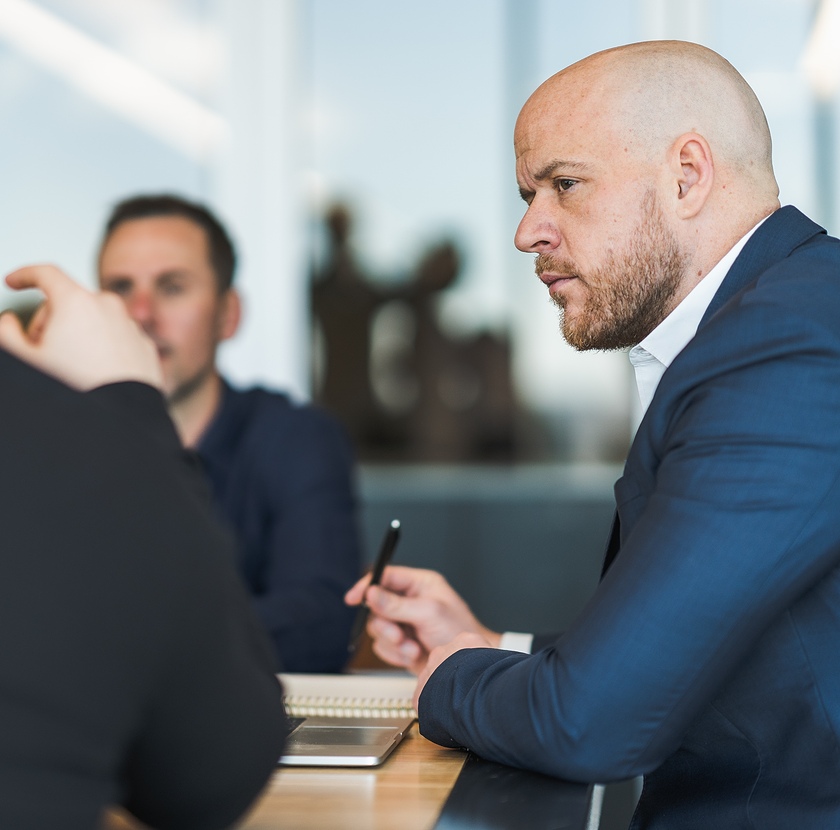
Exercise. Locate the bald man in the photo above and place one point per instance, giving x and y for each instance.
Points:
(707, 659)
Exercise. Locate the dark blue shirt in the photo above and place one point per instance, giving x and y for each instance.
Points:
(282, 475)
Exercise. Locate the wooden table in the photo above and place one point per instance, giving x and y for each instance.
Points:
(406, 792)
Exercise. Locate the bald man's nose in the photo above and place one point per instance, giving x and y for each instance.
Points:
(537, 232)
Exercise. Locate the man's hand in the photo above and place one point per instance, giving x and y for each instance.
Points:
(412, 612)
(439, 654)
(82, 338)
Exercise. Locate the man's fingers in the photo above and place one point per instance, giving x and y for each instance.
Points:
(47, 278)
(398, 578)
(408, 655)
(51, 281)
(12, 336)
(412, 610)
(382, 629)
(389, 653)
(391, 644)
(357, 593)
(403, 579)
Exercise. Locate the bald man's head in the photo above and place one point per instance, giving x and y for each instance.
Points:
(651, 93)
(641, 167)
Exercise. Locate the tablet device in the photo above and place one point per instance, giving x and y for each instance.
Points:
(343, 741)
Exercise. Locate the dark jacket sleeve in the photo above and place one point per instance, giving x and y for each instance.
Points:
(212, 725)
(133, 671)
(214, 728)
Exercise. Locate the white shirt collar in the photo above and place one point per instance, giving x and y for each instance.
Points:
(656, 352)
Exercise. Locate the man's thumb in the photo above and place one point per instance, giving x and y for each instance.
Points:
(13, 338)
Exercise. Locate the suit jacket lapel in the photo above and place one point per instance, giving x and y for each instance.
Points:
(781, 233)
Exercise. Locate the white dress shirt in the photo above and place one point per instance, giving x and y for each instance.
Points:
(656, 352)
(654, 355)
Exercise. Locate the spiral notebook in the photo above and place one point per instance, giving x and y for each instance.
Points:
(352, 720)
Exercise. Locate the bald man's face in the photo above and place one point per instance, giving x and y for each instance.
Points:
(604, 248)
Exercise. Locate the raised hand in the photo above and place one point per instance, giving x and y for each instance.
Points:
(84, 339)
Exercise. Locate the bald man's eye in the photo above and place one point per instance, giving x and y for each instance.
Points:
(564, 184)
(527, 196)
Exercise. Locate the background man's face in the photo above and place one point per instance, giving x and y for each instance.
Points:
(161, 269)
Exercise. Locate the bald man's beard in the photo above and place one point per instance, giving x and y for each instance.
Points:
(630, 294)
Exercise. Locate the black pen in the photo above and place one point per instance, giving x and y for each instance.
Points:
(389, 544)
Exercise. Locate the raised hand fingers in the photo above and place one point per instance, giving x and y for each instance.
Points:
(83, 338)
(12, 336)
(46, 278)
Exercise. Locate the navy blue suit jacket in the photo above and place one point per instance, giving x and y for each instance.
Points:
(708, 659)
(283, 478)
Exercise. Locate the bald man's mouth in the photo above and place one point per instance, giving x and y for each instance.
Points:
(554, 273)
(555, 282)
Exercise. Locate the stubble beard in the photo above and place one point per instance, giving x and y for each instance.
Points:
(628, 296)
(183, 390)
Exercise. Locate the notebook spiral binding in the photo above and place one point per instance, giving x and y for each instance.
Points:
(300, 706)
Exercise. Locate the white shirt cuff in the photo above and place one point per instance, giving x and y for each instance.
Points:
(514, 641)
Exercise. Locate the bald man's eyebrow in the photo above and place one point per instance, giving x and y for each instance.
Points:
(559, 165)
(551, 171)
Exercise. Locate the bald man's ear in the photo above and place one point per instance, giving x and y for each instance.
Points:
(691, 161)
(230, 314)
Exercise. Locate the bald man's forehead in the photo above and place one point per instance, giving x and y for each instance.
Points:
(589, 109)
(568, 118)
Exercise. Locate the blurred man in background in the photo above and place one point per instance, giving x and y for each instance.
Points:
(281, 474)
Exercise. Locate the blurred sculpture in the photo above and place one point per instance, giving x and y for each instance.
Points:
(344, 304)
(462, 381)
(405, 388)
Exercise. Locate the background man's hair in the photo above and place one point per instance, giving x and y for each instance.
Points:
(219, 246)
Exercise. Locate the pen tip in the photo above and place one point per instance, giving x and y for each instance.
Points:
(395, 524)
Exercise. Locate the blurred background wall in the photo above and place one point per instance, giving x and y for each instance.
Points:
(361, 152)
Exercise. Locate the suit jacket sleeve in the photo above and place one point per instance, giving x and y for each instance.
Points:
(729, 512)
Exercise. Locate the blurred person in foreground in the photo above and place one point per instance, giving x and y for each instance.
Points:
(133, 670)
(281, 473)
(707, 658)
